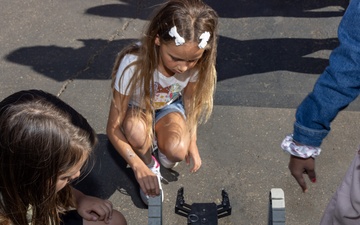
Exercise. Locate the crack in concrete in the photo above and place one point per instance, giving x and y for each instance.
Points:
(139, 8)
(92, 58)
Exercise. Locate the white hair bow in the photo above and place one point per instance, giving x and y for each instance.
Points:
(204, 37)
(178, 39)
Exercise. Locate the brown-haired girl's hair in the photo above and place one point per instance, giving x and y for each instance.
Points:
(191, 18)
(41, 137)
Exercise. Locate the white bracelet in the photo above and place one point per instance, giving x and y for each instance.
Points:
(303, 151)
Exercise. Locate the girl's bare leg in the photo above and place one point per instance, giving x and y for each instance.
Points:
(117, 219)
(173, 137)
(135, 132)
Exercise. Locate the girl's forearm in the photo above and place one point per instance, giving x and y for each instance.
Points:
(121, 145)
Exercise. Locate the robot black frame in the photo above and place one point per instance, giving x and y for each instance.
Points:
(202, 213)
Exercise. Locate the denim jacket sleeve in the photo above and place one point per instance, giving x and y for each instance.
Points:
(336, 87)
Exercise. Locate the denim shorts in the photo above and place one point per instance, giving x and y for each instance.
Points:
(176, 106)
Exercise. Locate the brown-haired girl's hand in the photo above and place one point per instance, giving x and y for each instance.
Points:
(94, 209)
(299, 166)
(193, 155)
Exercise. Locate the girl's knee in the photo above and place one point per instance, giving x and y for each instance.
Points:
(135, 134)
(175, 152)
(117, 218)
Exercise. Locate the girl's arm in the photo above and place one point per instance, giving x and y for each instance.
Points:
(193, 153)
(92, 208)
(117, 114)
(334, 90)
(146, 179)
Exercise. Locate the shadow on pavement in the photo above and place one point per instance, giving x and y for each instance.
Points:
(283, 8)
(63, 63)
(109, 173)
(235, 58)
(125, 9)
(238, 58)
(232, 9)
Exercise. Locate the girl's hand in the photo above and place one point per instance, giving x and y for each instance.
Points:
(299, 166)
(193, 155)
(147, 180)
(94, 209)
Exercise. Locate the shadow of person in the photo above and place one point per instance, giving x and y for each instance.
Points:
(64, 63)
(239, 58)
(107, 173)
(284, 8)
(126, 9)
(235, 58)
(231, 8)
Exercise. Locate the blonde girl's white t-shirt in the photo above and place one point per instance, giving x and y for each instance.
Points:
(167, 89)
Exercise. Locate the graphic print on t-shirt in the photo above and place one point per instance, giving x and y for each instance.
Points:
(163, 95)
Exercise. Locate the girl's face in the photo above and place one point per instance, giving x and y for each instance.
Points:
(177, 59)
(69, 175)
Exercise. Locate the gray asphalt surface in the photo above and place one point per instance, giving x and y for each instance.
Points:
(270, 54)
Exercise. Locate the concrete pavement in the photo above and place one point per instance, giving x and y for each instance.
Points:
(269, 56)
